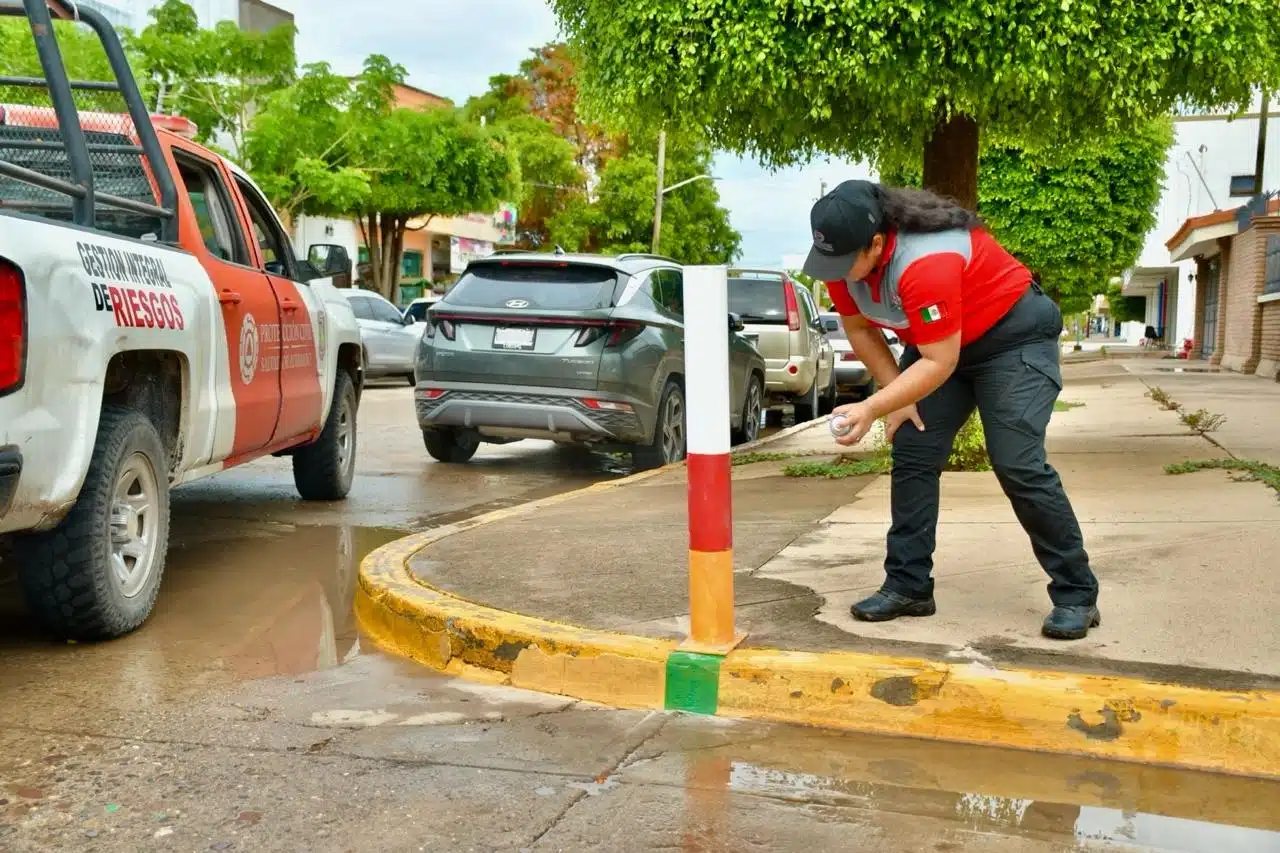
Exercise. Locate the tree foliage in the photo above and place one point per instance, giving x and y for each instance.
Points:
(855, 78)
(215, 77)
(1076, 215)
(591, 187)
(82, 54)
(335, 147)
(695, 228)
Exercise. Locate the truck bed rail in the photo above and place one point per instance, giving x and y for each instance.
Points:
(75, 176)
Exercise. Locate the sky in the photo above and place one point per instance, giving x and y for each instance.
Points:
(452, 49)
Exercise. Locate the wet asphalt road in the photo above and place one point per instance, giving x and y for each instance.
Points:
(246, 716)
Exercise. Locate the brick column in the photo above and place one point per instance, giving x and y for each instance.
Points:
(1224, 266)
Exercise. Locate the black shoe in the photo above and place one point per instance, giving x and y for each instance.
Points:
(1071, 622)
(885, 606)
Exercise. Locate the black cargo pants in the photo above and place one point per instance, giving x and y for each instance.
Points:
(1012, 375)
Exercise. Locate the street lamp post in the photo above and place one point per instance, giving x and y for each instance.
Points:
(662, 191)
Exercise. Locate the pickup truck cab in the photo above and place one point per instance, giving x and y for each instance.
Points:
(155, 327)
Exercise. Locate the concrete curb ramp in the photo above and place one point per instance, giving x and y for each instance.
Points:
(1116, 718)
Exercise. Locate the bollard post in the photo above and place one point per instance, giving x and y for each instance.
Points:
(706, 365)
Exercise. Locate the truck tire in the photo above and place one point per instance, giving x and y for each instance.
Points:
(451, 446)
(323, 471)
(670, 438)
(78, 578)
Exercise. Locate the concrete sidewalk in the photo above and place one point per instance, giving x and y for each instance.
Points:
(586, 594)
(1182, 560)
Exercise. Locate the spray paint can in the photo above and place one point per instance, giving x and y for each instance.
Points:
(839, 426)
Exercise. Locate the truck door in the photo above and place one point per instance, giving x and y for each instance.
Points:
(302, 397)
(246, 383)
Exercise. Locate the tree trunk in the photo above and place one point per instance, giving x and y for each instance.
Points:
(397, 252)
(373, 241)
(387, 224)
(951, 158)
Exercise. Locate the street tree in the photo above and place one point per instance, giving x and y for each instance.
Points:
(82, 54)
(550, 176)
(786, 80)
(298, 145)
(619, 217)
(215, 77)
(1078, 215)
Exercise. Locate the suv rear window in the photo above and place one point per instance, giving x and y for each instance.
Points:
(758, 300)
(546, 287)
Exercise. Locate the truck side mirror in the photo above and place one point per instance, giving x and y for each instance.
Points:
(332, 261)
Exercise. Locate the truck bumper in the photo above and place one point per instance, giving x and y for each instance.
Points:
(10, 472)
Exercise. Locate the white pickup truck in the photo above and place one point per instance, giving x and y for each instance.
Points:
(156, 326)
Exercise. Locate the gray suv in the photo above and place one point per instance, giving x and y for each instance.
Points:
(582, 349)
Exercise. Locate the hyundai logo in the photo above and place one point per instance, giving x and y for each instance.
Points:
(517, 303)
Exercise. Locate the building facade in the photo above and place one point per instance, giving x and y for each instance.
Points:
(1209, 170)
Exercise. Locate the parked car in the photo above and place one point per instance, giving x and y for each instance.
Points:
(852, 376)
(390, 338)
(585, 349)
(782, 318)
(417, 309)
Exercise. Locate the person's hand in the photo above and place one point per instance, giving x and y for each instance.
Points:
(859, 418)
(893, 420)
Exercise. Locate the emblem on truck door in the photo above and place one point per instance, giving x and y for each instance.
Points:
(248, 349)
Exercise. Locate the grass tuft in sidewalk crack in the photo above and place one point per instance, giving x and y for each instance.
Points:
(1249, 470)
(840, 467)
(1163, 399)
(751, 458)
(1202, 420)
(1066, 405)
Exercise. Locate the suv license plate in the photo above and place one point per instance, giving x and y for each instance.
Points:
(509, 337)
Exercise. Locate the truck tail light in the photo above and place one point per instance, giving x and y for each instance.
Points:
(13, 328)
(793, 306)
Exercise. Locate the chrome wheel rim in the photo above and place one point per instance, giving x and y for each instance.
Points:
(134, 525)
(673, 429)
(751, 426)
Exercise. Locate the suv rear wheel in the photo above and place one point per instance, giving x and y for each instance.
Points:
(96, 575)
(668, 445)
(454, 446)
(807, 403)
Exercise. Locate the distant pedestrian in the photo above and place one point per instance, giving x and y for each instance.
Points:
(980, 332)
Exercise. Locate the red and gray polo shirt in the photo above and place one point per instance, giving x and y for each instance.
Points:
(930, 286)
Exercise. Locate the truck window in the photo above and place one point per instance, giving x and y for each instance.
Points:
(212, 206)
(277, 253)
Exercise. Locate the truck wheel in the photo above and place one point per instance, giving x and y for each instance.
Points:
(323, 471)
(96, 575)
(451, 445)
(668, 445)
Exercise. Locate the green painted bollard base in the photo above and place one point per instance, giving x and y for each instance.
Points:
(693, 682)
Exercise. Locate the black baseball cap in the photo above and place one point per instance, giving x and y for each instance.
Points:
(844, 221)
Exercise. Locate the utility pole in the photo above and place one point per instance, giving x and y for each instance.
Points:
(1262, 143)
(657, 202)
(822, 190)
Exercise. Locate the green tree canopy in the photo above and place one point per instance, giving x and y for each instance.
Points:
(786, 79)
(341, 148)
(550, 175)
(82, 54)
(619, 218)
(1076, 215)
(214, 77)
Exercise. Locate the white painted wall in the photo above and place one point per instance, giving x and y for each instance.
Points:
(1218, 148)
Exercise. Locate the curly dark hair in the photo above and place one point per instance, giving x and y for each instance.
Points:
(921, 211)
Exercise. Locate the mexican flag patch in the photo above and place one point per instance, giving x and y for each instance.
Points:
(932, 313)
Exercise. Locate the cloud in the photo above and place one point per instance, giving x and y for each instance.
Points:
(449, 48)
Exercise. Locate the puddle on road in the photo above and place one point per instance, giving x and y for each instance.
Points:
(961, 797)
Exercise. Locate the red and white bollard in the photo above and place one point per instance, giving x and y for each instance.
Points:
(706, 364)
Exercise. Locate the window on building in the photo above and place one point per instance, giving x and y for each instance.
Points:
(411, 265)
(1241, 185)
(1271, 284)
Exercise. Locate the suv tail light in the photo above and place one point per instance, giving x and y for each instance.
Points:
(13, 328)
(793, 306)
(443, 326)
(615, 333)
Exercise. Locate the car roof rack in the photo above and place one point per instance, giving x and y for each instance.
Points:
(634, 256)
(782, 274)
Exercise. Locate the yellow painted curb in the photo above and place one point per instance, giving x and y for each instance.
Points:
(1060, 712)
